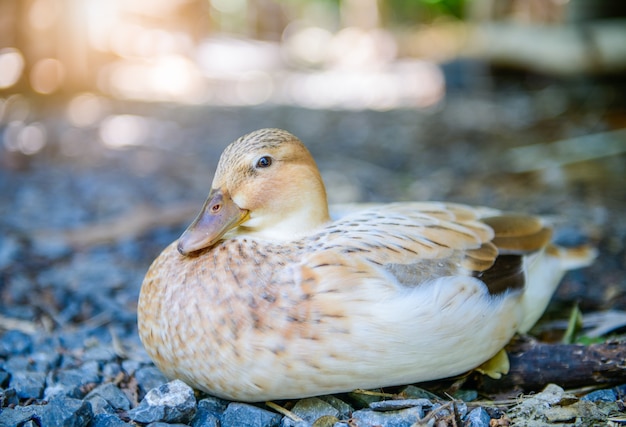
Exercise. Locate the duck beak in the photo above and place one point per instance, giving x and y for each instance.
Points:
(218, 215)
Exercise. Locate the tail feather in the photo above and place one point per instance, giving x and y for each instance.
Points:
(572, 258)
(544, 273)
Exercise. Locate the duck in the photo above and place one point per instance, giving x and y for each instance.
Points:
(265, 297)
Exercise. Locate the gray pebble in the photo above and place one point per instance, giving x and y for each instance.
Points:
(394, 405)
(149, 377)
(205, 418)
(71, 382)
(313, 408)
(100, 353)
(213, 404)
(245, 415)
(10, 250)
(67, 412)
(344, 409)
(10, 417)
(162, 424)
(4, 378)
(111, 370)
(605, 395)
(28, 384)
(477, 418)
(15, 342)
(100, 405)
(8, 397)
(131, 366)
(172, 403)
(209, 411)
(402, 418)
(111, 394)
(107, 420)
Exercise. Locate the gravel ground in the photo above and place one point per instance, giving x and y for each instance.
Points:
(69, 351)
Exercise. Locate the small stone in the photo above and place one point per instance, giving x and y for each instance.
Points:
(209, 411)
(313, 408)
(417, 393)
(100, 353)
(344, 409)
(8, 397)
(561, 414)
(131, 366)
(148, 378)
(245, 415)
(112, 394)
(28, 385)
(15, 342)
(402, 418)
(171, 403)
(394, 405)
(64, 411)
(477, 418)
(72, 382)
(213, 404)
(111, 370)
(205, 418)
(4, 378)
(162, 424)
(606, 395)
(466, 395)
(100, 405)
(10, 250)
(19, 415)
(107, 420)
(363, 400)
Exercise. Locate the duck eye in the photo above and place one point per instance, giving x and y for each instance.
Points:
(264, 162)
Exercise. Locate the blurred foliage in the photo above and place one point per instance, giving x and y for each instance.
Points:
(406, 12)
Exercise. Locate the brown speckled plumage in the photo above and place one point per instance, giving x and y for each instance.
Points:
(264, 297)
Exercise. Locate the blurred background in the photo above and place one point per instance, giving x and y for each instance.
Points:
(113, 114)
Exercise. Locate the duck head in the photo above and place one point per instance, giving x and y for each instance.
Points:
(266, 185)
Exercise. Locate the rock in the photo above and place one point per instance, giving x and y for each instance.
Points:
(111, 370)
(111, 394)
(402, 418)
(8, 397)
(10, 250)
(477, 418)
(4, 378)
(131, 367)
(209, 411)
(100, 405)
(606, 395)
(10, 417)
(245, 415)
(100, 353)
(414, 392)
(28, 385)
(148, 378)
(173, 402)
(205, 418)
(313, 408)
(394, 405)
(73, 382)
(15, 342)
(213, 404)
(107, 420)
(344, 409)
(64, 411)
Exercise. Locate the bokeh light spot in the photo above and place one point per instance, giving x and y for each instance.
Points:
(124, 130)
(11, 66)
(47, 75)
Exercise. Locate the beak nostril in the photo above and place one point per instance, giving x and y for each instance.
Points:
(216, 208)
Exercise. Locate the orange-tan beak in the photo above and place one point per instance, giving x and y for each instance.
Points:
(218, 215)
